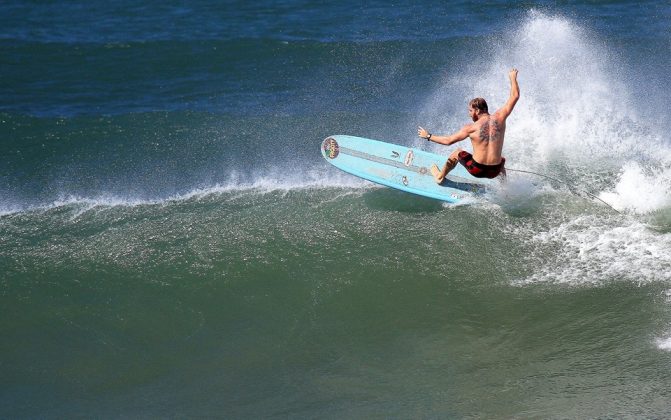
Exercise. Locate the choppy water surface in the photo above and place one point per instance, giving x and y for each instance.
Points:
(172, 243)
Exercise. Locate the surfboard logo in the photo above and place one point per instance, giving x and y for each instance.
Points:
(394, 154)
(408, 158)
(331, 148)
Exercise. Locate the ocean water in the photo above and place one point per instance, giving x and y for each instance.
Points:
(172, 243)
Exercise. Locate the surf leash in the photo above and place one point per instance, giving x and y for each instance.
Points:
(571, 188)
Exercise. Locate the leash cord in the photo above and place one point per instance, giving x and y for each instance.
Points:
(570, 187)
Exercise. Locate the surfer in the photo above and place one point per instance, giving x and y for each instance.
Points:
(486, 134)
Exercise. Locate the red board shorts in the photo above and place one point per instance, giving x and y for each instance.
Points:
(479, 170)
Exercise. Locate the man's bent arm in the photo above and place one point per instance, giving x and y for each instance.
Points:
(447, 140)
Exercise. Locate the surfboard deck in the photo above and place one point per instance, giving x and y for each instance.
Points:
(400, 167)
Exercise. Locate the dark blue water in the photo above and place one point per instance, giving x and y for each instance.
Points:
(172, 244)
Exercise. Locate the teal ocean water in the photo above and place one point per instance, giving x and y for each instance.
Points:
(172, 243)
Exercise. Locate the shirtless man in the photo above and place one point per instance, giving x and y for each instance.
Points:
(486, 133)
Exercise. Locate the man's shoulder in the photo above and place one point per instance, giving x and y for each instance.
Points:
(501, 114)
(470, 126)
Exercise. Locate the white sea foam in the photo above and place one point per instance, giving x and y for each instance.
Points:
(663, 343)
(639, 191)
(516, 194)
(590, 250)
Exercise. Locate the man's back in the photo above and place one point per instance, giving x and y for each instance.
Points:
(487, 138)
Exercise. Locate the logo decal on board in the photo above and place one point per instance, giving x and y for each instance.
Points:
(395, 154)
(331, 148)
(408, 158)
(405, 181)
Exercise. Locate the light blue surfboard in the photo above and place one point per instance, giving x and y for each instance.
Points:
(400, 167)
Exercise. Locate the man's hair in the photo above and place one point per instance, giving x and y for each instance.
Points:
(479, 103)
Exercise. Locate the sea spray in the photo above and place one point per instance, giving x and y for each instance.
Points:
(578, 120)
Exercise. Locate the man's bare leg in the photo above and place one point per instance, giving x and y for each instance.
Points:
(438, 175)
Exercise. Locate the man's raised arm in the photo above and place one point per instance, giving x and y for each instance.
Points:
(514, 95)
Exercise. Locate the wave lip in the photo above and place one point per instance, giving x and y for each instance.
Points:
(271, 182)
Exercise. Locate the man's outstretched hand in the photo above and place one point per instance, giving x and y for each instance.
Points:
(422, 132)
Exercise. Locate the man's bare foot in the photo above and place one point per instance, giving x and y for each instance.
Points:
(436, 174)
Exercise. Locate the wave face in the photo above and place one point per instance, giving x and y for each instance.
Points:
(173, 244)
